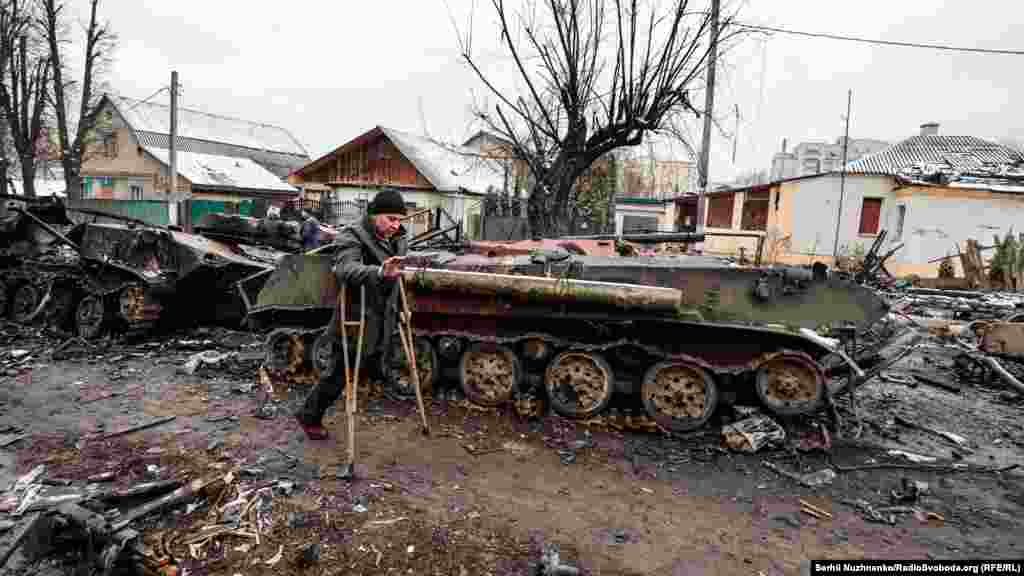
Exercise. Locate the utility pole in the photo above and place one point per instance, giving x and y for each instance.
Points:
(172, 199)
(709, 105)
(842, 178)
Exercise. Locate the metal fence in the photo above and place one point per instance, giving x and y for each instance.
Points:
(335, 212)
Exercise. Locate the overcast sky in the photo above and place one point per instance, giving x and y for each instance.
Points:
(328, 71)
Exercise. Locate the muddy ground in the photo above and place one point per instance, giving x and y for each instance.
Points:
(488, 490)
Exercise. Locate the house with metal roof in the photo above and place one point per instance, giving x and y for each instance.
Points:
(430, 174)
(931, 193)
(227, 164)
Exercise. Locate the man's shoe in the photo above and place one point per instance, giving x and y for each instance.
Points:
(313, 431)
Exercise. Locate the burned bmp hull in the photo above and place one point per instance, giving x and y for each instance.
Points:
(579, 344)
(100, 278)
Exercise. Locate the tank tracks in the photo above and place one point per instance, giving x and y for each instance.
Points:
(577, 380)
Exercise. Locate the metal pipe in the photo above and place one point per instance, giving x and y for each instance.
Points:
(64, 239)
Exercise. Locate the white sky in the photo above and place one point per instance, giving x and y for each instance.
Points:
(328, 71)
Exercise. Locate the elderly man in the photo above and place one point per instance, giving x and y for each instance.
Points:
(368, 254)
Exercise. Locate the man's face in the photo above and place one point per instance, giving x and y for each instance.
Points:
(386, 225)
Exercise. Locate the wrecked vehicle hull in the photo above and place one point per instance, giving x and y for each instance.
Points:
(576, 345)
(102, 278)
(779, 295)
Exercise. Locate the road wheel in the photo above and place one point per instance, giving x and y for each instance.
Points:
(91, 317)
(402, 384)
(323, 353)
(679, 395)
(25, 302)
(790, 383)
(489, 373)
(61, 307)
(579, 384)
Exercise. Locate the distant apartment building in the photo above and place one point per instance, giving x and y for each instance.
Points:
(809, 158)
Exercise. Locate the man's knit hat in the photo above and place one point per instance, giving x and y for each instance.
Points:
(387, 201)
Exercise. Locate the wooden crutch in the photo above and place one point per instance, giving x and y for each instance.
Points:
(406, 335)
(351, 378)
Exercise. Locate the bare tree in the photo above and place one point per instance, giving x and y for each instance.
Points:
(24, 87)
(596, 75)
(100, 43)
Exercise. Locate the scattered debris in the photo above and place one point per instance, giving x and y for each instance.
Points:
(753, 434)
(821, 477)
(551, 564)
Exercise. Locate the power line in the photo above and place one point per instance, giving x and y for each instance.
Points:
(148, 98)
(884, 42)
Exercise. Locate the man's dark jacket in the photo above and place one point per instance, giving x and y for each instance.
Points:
(357, 262)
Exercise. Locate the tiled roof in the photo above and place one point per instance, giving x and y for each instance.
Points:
(153, 117)
(448, 168)
(223, 171)
(956, 158)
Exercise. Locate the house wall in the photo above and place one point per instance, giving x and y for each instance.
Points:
(940, 219)
(812, 210)
(665, 213)
(935, 221)
(113, 164)
(464, 207)
(801, 220)
(374, 162)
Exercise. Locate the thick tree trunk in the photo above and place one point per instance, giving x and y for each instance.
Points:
(72, 180)
(28, 176)
(538, 289)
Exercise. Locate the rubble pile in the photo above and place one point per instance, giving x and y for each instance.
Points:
(956, 304)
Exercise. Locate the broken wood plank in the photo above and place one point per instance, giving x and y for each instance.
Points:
(179, 496)
(807, 504)
(144, 489)
(137, 427)
(956, 439)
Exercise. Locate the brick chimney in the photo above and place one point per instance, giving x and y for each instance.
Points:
(930, 129)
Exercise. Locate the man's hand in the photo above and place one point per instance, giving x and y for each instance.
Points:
(391, 267)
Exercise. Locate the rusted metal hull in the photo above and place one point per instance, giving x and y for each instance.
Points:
(721, 292)
(485, 337)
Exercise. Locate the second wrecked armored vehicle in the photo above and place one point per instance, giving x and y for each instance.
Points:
(572, 331)
(101, 277)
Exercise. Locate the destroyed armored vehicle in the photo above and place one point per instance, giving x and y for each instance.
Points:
(584, 332)
(277, 233)
(122, 277)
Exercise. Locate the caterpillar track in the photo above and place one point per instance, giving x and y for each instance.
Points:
(579, 347)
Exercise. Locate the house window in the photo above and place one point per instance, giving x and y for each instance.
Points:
(901, 216)
(870, 212)
(639, 224)
(755, 211)
(136, 191)
(110, 146)
(720, 211)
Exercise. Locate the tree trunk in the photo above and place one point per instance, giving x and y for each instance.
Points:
(538, 289)
(72, 179)
(28, 176)
(612, 189)
(4, 162)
